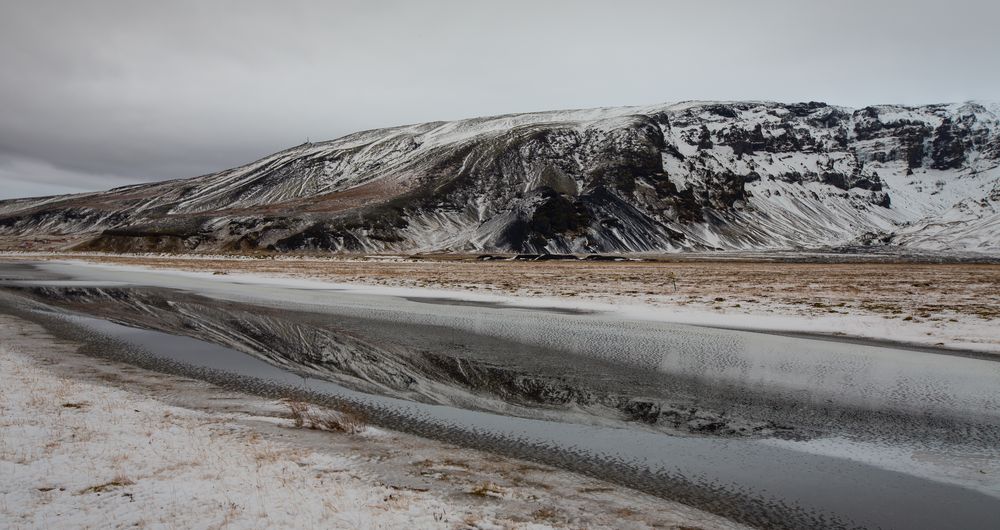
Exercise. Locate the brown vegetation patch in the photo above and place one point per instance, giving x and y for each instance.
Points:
(348, 420)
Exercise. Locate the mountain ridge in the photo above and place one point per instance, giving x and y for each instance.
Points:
(657, 178)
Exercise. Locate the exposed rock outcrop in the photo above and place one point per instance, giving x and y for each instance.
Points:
(688, 176)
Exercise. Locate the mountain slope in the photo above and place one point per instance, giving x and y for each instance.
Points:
(687, 176)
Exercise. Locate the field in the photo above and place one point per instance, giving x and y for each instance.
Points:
(936, 304)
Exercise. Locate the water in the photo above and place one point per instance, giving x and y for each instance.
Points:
(849, 435)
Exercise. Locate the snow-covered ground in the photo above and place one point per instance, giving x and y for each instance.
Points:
(756, 311)
(78, 454)
(900, 379)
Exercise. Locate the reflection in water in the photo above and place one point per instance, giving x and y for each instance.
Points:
(449, 367)
(716, 388)
(741, 396)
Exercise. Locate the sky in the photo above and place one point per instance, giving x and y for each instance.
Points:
(100, 94)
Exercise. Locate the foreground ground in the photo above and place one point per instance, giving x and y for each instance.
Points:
(951, 304)
(90, 443)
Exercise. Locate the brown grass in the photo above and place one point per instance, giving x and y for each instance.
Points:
(891, 289)
(488, 489)
(119, 481)
(348, 420)
(546, 513)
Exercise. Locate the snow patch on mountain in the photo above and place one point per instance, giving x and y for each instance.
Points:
(683, 176)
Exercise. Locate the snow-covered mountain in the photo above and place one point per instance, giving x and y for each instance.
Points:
(686, 176)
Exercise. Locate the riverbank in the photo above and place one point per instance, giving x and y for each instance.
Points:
(90, 442)
(951, 305)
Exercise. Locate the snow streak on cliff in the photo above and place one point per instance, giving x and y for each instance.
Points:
(687, 176)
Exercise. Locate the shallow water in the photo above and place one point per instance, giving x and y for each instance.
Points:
(852, 435)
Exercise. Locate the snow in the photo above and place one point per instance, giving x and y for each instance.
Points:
(965, 332)
(76, 455)
(399, 159)
(899, 377)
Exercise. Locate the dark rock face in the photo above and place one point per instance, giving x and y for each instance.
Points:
(686, 176)
(319, 236)
(557, 215)
(948, 147)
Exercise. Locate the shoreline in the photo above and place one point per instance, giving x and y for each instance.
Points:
(383, 476)
(960, 321)
(237, 287)
(833, 256)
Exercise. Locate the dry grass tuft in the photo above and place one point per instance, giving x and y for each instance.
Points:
(546, 513)
(119, 481)
(298, 410)
(348, 420)
(488, 489)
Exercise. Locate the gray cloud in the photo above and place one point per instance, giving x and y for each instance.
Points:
(27, 177)
(153, 90)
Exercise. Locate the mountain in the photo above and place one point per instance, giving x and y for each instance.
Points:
(685, 176)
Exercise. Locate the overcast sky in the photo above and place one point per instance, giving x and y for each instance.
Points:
(99, 94)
